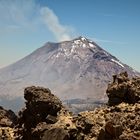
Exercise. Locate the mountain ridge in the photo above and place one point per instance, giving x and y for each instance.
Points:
(76, 69)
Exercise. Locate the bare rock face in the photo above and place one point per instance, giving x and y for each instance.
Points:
(7, 118)
(41, 106)
(7, 121)
(40, 101)
(123, 90)
(120, 122)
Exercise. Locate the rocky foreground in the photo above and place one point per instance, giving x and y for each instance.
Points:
(45, 118)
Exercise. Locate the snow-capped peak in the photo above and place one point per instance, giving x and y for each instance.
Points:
(83, 39)
(83, 42)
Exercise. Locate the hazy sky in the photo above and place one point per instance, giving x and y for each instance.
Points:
(26, 25)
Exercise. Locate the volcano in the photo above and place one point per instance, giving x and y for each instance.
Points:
(77, 71)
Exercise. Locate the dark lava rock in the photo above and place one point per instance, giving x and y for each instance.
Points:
(41, 101)
(123, 89)
(7, 121)
(113, 129)
(56, 134)
(7, 118)
(41, 106)
(112, 123)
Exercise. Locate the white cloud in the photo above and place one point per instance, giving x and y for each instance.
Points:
(17, 15)
(61, 32)
(17, 12)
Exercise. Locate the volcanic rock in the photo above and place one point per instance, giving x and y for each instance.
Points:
(7, 121)
(7, 117)
(7, 133)
(123, 89)
(41, 106)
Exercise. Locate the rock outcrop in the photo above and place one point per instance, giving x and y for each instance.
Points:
(41, 109)
(123, 90)
(7, 121)
(45, 118)
(120, 122)
(7, 117)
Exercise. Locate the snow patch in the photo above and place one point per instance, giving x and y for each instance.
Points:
(84, 45)
(73, 49)
(83, 39)
(90, 41)
(66, 52)
(106, 53)
(58, 54)
(77, 42)
(117, 62)
(91, 45)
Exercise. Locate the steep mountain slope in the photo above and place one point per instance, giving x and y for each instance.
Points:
(77, 71)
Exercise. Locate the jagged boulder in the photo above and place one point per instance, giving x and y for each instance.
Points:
(40, 101)
(43, 114)
(7, 121)
(7, 118)
(123, 89)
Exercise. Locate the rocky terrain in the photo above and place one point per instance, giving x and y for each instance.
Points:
(80, 65)
(45, 118)
(7, 122)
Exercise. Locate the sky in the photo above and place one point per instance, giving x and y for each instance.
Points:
(26, 25)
